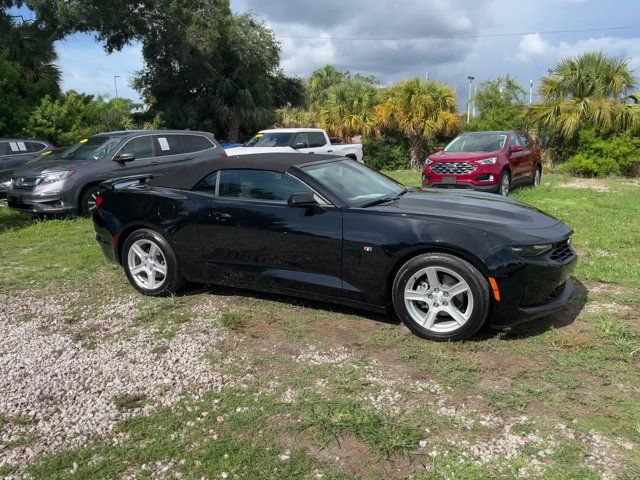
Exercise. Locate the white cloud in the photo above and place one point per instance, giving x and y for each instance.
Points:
(532, 46)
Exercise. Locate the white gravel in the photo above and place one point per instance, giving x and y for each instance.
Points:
(59, 390)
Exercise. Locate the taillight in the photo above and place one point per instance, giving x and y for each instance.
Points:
(224, 155)
(98, 201)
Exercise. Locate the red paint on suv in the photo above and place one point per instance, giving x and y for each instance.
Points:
(487, 161)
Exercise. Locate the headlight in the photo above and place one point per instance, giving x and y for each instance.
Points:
(533, 250)
(53, 177)
(428, 162)
(488, 161)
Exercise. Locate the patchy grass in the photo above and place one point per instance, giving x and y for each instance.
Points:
(321, 391)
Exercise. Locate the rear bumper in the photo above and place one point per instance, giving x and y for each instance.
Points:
(104, 237)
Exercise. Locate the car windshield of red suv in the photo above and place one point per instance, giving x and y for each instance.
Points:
(477, 142)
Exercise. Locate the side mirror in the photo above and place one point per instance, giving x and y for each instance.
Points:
(304, 199)
(299, 145)
(516, 148)
(440, 149)
(125, 158)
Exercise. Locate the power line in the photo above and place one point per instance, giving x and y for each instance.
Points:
(452, 37)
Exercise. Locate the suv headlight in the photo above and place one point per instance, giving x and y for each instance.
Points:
(533, 250)
(53, 177)
(428, 162)
(488, 161)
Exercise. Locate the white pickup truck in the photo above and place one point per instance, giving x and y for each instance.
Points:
(304, 140)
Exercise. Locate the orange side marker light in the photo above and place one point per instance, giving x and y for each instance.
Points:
(494, 287)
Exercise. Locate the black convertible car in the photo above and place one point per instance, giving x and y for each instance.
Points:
(332, 229)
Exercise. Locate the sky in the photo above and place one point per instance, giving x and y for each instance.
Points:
(387, 39)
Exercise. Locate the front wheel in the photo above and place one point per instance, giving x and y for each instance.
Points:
(88, 200)
(441, 297)
(504, 186)
(150, 264)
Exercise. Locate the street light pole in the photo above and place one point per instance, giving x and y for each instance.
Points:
(471, 79)
(115, 83)
(530, 92)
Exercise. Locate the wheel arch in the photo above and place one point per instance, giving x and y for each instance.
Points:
(352, 156)
(441, 248)
(126, 233)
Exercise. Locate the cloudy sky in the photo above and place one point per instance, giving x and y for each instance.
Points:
(386, 38)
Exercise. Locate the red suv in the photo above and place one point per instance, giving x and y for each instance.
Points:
(488, 161)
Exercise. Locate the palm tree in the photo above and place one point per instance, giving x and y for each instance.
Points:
(592, 90)
(320, 83)
(350, 109)
(420, 110)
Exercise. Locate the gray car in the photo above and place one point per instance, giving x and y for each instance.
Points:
(14, 153)
(69, 182)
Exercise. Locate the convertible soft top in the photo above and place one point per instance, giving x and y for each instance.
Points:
(188, 177)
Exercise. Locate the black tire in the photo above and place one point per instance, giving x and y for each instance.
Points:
(88, 199)
(478, 286)
(504, 187)
(172, 282)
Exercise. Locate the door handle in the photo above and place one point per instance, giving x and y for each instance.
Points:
(329, 151)
(155, 163)
(219, 216)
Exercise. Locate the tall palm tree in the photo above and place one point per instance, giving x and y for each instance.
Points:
(420, 110)
(591, 90)
(350, 109)
(320, 83)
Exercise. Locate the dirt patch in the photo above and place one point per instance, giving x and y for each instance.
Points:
(590, 183)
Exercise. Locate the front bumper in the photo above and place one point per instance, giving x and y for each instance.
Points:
(484, 179)
(532, 291)
(34, 202)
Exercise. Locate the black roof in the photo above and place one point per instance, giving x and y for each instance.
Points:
(188, 177)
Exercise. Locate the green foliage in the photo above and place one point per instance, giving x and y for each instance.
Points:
(74, 116)
(386, 153)
(501, 106)
(600, 156)
(350, 108)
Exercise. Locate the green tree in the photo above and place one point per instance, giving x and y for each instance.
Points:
(500, 104)
(592, 90)
(74, 116)
(350, 109)
(320, 83)
(421, 111)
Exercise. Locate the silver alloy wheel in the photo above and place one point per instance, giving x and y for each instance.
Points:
(536, 178)
(147, 264)
(438, 299)
(91, 203)
(504, 186)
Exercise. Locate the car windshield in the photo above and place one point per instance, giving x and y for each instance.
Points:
(279, 139)
(356, 184)
(93, 148)
(478, 142)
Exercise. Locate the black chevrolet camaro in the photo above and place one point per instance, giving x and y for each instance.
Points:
(332, 229)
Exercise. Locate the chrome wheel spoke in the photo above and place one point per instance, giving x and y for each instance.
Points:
(457, 289)
(415, 296)
(151, 280)
(138, 251)
(161, 269)
(430, 319)
(432, 278)
(456, 315)
(138, 269)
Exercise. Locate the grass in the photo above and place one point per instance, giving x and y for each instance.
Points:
(368, 415)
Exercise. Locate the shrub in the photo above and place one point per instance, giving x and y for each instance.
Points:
(387, 153)
(598, 156)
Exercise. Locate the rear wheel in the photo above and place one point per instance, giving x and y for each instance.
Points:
(88, 200)
(537, 177)
(504, 187)
(150, 264)
(441, 297)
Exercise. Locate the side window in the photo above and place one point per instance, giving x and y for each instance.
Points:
(526, 141)
(514, 140)
(195, 143)
(258, 185)
(317, 139)
(139, 147)
(208, 185)
(168, 145)
(34, 147)
(301, 141)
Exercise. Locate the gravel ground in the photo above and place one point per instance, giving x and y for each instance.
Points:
(69, 374)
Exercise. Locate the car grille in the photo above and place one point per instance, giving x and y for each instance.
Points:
(561, 252)
(24, 183)
(453, 168)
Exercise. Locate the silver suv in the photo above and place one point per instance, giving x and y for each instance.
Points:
(69, 182)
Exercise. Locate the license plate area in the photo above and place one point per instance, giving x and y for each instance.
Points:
(449, 179)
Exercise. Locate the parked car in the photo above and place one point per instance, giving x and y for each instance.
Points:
(302, 140)
(70, 182)
(332, 229)
(487, 161)
(14, 153)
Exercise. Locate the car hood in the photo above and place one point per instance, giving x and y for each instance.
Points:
(252, 150)
(40, 165)
(470, 206)
(461, 156)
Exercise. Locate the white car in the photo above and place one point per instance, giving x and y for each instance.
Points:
(303, 140)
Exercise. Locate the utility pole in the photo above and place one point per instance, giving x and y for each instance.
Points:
(530, 91)
(426, 77)
(471, 79)
(115, 83)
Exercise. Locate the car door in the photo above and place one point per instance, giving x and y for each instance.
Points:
(517, 157)
(251, 237)
(530, 162)
(318, 143)
(144, 162)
